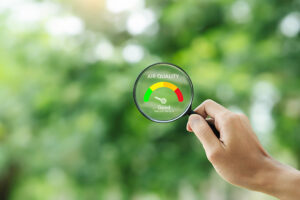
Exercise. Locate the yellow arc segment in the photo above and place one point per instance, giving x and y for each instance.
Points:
(157, 85)
(163, 84)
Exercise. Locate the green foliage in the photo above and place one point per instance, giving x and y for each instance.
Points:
(69, 128)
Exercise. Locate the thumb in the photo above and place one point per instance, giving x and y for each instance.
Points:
(203, 132)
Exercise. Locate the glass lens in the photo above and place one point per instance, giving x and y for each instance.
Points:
(163, 92)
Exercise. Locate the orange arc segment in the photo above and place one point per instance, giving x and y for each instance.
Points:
(170, 85)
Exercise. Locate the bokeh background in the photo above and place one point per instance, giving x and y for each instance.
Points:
(69, 128)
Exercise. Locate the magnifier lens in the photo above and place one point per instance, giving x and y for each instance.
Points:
(163, 92)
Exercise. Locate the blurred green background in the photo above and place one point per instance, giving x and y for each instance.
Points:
(69, 128)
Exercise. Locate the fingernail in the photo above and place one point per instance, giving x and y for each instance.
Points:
(193, 121)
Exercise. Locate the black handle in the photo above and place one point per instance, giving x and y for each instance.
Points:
(212, 126)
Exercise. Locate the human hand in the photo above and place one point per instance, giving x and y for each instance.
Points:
(238, 157)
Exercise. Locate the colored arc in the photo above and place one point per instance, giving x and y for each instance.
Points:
(163, 84)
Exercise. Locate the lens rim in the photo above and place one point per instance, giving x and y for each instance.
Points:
(179, 116)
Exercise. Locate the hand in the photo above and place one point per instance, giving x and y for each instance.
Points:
(238, 157)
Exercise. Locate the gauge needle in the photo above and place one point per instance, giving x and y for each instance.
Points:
(162, 100)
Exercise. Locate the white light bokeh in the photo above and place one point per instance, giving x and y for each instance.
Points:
(27, 15)
(117, 6)
(104, 50)
(265, 96)
(290, 25)
(65, 25)
(241, 11)
(33, 12)
(133, 53)
(139, 21)
(6, 5)
(261, 119)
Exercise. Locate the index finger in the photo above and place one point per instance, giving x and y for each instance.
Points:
(211, 108)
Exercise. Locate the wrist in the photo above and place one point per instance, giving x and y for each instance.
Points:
(279, 180)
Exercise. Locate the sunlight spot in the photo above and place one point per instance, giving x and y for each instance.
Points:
(104, 50)
(133, 53)
(6, 5)
(139, 21)
(265, 96)
(68, 25)
(117, 6)
(241, 11)
(32, 12)
(290, 25)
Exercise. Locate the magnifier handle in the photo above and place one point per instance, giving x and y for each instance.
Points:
(212, 126)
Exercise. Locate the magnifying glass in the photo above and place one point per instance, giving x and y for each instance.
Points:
(163, 92)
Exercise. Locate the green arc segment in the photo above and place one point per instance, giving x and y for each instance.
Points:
(147, 95)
